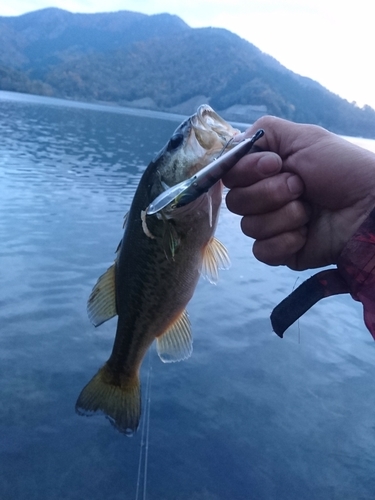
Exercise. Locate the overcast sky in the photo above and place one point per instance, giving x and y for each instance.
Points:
(329, 41)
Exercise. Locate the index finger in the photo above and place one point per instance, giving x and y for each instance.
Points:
(278, 134)
(253, 168)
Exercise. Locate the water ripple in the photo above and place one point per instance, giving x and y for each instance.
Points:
(248, 416)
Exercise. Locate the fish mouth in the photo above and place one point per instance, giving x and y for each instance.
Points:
(207, 136)
(200, 139)
(211, 131)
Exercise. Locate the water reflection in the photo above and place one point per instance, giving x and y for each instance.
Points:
(249, 416)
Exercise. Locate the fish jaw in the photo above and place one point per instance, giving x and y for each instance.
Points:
(209, 136)
(193, 145)
(211, 131)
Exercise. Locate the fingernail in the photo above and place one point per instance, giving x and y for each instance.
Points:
(295, 184)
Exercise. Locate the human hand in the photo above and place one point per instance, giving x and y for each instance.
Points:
(304, 196)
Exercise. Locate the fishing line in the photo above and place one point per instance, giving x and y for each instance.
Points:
(145, 436)
(147, 418)
(299, 329)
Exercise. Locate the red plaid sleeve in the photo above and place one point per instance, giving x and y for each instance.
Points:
(355, 274)
(356, 265)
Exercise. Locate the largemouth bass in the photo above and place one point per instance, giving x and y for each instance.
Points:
(157, 267)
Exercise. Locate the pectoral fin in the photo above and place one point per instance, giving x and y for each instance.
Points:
(176, 343)
(215, 257)
(171, 239)
(101, 305)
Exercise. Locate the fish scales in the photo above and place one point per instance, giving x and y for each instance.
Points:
(152, 279)
(157, 267)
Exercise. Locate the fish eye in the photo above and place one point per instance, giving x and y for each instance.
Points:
(175, 141)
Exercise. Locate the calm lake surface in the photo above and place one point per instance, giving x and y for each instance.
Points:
(248, 416)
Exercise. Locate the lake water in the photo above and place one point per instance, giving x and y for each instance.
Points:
(248, 416)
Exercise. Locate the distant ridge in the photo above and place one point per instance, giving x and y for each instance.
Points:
(159, 62)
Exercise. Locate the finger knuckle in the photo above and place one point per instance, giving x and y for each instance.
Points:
(296, 213)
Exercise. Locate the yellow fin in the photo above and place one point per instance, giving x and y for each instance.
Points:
(120, 401)
(215, 257)
(176, 343)
(101, 305)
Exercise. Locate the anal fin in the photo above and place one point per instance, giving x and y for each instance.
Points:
(176, 343)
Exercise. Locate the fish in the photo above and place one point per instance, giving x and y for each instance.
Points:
(157, 266)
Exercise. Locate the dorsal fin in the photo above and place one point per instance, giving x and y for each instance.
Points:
(101, 305)
(176, 343)
(215, 257)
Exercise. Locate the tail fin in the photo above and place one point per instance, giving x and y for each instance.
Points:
(120, 401)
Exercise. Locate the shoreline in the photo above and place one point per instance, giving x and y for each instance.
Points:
(172, 114)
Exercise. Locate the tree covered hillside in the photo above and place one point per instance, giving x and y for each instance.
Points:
(128, 58)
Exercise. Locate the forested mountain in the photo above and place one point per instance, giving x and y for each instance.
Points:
(160, 62)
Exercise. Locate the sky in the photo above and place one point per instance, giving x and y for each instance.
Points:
(329, 41)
